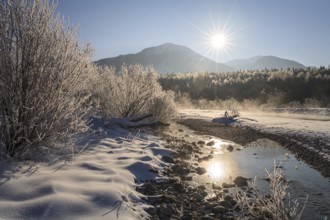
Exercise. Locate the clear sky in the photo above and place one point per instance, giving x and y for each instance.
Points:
(291, 29)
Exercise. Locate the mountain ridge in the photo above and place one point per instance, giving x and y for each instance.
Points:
(262, 62)
(173, 58)
(168, 58)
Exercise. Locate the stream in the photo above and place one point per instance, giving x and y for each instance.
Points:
(251, 161)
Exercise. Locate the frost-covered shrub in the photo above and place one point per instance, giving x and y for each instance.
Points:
(43, 72)
(162, 107)
(134, 91)
(275, 205)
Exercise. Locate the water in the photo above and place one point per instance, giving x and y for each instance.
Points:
(253, 160)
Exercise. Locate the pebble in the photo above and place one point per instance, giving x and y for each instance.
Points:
(230, 148)
(198, 197)
(166, 209)
(226, 204)
(201, 142)
(219, 209)
(240, 181)
(167, 159)
(227, 185)
(211, 143)
(201, 170)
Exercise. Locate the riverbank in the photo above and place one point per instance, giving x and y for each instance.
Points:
(303, 147)
(191, 177)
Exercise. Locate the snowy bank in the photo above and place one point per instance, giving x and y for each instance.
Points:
(97, 183)
(307, 135)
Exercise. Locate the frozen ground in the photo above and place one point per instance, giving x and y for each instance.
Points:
(311, 124)
(97, 183)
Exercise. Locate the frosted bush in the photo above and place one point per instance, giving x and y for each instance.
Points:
(44, 72)
(134, 91)
(162, 107)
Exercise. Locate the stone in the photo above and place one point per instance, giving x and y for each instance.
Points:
(227, 185)
(211, 143)
(187, 178)
(216, 187)
(203, 193)
(151, 210)
(207, 217)
(240, 181)
(219, 209)
(230, 148)
(188, 148)
(198, 197)
(201, 142)
(201, 187)
(178, 186)
(228, 198)
(186, 216)
(226, 204)
(201, 170)
(166, 209)
(167, 159)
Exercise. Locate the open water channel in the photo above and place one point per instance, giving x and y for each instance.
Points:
(252, 161)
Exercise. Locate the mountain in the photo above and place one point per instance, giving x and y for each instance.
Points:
(168, 58)
(262, 62)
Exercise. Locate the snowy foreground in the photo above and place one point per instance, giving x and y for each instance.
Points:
(97, 183)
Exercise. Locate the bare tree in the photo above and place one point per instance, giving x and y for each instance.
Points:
(43, 76)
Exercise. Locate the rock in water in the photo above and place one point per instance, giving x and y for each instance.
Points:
(230, 148)
(240, 181)
(211, 143)
(201, 142)
(201, 170)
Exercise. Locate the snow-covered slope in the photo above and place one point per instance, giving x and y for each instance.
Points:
(97, 183)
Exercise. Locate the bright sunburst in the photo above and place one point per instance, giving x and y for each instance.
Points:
(218, 41)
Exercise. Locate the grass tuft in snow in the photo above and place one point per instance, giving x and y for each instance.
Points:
(255, 205)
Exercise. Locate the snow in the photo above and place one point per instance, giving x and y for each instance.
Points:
(302, 123)
(309, 123)
(97, 183)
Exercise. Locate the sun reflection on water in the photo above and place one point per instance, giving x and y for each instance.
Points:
(216, 170)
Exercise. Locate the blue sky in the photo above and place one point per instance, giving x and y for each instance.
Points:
(292, 29)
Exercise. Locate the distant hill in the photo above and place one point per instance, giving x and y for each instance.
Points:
(262, 62)
(168, 58)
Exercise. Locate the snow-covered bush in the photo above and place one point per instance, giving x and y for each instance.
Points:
(162, 106)
(134, 91)
(43, 77)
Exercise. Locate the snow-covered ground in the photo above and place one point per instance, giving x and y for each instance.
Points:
(313, 124)
(97, 183)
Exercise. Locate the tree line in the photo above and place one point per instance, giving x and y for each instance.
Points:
(268, 88)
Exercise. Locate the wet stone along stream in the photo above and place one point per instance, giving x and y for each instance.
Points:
(204, 170)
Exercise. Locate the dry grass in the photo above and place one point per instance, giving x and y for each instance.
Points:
(255, 205)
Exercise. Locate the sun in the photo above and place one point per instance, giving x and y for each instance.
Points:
(218, 41)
